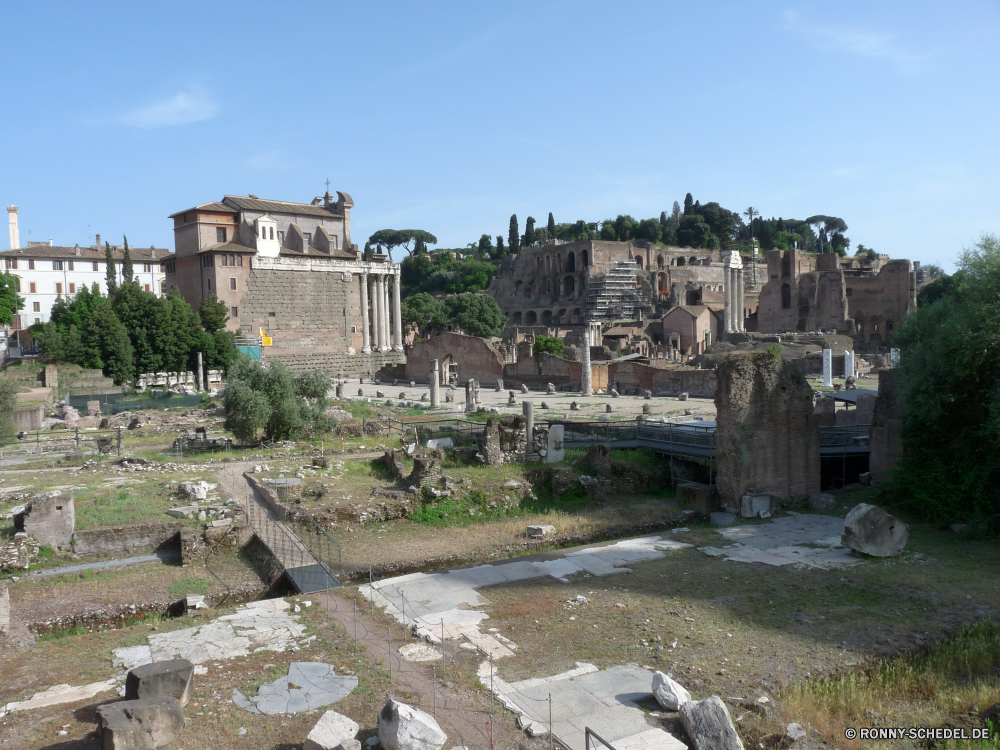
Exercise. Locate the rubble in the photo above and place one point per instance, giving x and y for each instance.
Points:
(871, 530)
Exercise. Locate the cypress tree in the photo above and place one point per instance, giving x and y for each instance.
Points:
(529, 232)
(112, 276)
(688, 204)
(499, 245)
(513, 236)
(551, 226)
(127, 276)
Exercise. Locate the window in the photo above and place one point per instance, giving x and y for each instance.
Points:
(70, 266)
(147, 287)
(36, 306)
(220, 234)
(58, 287)
(32, 288)
(171, 267)
(225, 260)
(263, 233)
(72, 288)
(270, 315)
(147, 267)
(309, 238)
(209, 283)
(239, 261)
(163, 286)
(206, 261)
(31, 264)
(232, 285)
(272, 233)
(37, 320)
(11, 262)
(96, 267)
(232, 260)
(57, 265)
(234, 312)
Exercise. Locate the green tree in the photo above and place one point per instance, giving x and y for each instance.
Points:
(247, 410)
(10, 302)
(946, 386)
(650, 230)
(423, 311)
(695, 232)
(213, 314)
(549, 345)
(500, 251)
(408, 239)
(113, 343)
(111, 274)
(513, 236)
(688, 204)
(551, 226)
(127, 276)
(529, 232)
(476, 314)
(485, 246)
(49, 340)
(943, 286)
(8, 404)
(73, 346)
(273, 403)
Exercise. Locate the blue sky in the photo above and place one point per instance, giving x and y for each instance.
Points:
(451, 116)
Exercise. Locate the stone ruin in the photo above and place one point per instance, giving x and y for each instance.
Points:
(49, 519)
(504, 440)
(884, 438)
(767, 435)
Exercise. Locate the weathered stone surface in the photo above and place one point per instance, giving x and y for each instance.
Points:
(574, 406)
(669, 694)
(683, 396)
(48, 519)
(709, 725)
(402, 727)
(489, 443)
(166, 678)
(541, 530)
(822, 501)
(524, 388)
(721, 520)
(550, 389)
(435, 443)
(196, 490)
(756, 505)
(767, 436)
(331, 730)
(871, 530)
(139, 724)
(884, 439)
(795, 732)
(393, 461)
(554, 450)
(425, 471)
(701, 498)
(647, 409)
(4, 611)
(609, 408)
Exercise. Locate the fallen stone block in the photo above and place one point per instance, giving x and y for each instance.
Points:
(668, 693)
(755, 504)
(195, 601)
(139, 724)
(709, 725)
(436, 443)
(871, 530)
(165, 678)
(402, 727)
(541, 530)
(331, 731)
(822, 501)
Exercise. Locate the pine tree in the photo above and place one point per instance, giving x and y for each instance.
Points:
(513, 236)
(551, 226)
(112, 275)
(127, 276)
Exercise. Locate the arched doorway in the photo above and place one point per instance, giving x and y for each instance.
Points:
(584, 258)
(571, 262)
(638, 262)
(516, 318)
(569, 287)
(786, 297)
(546, 317)
(531, 318)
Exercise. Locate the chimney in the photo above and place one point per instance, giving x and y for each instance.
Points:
(97, 239)
(152, 251)
(15, 237)
(78, 253)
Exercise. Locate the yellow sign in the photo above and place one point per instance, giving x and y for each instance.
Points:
(265, 340)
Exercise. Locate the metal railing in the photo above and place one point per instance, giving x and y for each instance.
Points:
(844, 435)
(590, 733)
(104, 442)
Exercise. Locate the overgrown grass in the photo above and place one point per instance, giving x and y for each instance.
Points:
(185, 586)
(952, 677)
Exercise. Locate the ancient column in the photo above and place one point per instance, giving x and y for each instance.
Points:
(738, 307)
(379, 340)
(397, 316)
(585, 373)
(727, 289)
(828, 368)
(529, 426)
(366, 345)
(435, 385)
(848, 364)
(199, 377)
(386, 343)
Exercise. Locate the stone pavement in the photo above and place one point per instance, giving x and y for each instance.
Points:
(438, 605)
(59, 694)
(307, 686)
(799, 539)
(604, 701)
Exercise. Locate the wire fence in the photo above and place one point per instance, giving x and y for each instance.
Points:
(103, 442)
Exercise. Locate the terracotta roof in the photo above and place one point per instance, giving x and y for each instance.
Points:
(212, 206)
(282, 207)
(693, 310)
(227, 247)
(86, 253)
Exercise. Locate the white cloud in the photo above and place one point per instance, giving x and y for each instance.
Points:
(856, 41)
(181, 109)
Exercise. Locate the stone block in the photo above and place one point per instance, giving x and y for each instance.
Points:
(331, 731)
(139, 724)
(701, 498)
(822, 501)
(554, 449)
(544, 529)
(756, 505)
(402, 727)
(165, 678)
(669, 694)
(871, 530)
(709, 725)
(683, 396)
(48, 519)
(435, 443)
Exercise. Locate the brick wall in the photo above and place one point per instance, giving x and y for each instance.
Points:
(661, 381)
(127, 539)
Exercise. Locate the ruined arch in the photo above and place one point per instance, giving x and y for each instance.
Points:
(531, 318)
(661, 283)
(584, 258)
(571, 262)
(786, 296)
(546, 317)
(516, 318)
(659, 261)
(569, 287)
(692, 261)
(680, 261)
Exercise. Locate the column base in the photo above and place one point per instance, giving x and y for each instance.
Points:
(398, 348)
(351, 350)
(366, 350)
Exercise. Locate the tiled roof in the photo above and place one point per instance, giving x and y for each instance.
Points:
(281, 207)
(86, 253)
(226, 247)
(212, 206)
(617, 331)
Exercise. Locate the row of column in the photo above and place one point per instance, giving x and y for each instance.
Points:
(375, 326)
(733, 290)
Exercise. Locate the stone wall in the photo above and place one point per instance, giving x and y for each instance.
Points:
(128, 539)
(634, 376)
(767, 436)
(48, 519)
(337, 362)
(476, 358)
(29, 418)
(541, 369)
(884, 438)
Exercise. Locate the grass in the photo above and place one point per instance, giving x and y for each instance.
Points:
(185, 586)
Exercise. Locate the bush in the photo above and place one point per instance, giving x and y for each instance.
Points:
(549, 345)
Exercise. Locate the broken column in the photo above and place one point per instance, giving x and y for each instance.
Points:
(200, 379)
(435, 385)
(528, 409)
(848, 364)
(585, 384)
(885, 440)
(555, 451)
(733, 292)
(828, 368)
(767, 436)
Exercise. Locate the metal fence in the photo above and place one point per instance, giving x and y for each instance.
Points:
(596, 432)
(113, 403)
(460, 431)
(105, 442)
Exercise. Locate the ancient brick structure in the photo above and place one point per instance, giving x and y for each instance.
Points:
(460, 358)
(767, 436)
(291, 270)
(49, 519)
(884, 437)
(806, 292)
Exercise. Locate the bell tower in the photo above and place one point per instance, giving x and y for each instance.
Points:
(15, 237)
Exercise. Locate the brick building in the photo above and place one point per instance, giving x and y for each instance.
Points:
(292, 270)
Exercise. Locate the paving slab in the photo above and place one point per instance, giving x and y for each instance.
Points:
(307, 687)
(60, 694)
(801, 539)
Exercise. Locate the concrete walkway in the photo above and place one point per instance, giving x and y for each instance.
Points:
(167, 556)
(799, 539)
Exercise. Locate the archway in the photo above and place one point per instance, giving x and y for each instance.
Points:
(662, 286)
(584, 258)
(571, 262)
(692, 261)
(659, 261)
(638, 261)
(531, 318)
(786, 297)
(546, 317)
(516, 318)
(569, 287)
(680, 261)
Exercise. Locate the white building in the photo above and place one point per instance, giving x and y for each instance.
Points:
(47, 272)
